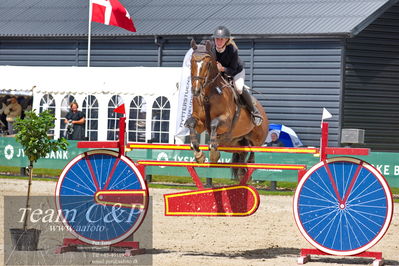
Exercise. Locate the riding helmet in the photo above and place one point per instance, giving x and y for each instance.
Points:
(221, 32)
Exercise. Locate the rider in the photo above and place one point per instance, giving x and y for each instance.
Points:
(229, 63)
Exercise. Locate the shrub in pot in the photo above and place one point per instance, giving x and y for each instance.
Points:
(32, 134)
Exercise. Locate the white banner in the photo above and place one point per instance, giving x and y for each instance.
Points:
(184, 106)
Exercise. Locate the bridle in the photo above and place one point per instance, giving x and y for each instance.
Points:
(206, 82)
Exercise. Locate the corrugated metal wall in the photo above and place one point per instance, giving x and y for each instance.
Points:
(173, 51)
(38, 53)
(121, 53)
(104, 53)
(371, 97)
(293, 79)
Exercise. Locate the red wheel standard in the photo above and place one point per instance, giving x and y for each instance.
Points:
(101, 197)
(343, 206)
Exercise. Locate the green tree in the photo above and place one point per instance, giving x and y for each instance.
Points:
(32, 135)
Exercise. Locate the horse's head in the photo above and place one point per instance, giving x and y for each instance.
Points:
(203, 67)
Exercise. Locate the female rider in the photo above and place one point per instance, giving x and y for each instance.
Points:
(229, 63)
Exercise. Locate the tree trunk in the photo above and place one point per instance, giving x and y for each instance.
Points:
(28, 196)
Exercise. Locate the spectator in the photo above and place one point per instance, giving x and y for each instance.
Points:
(29, 103)
(12, 112)
(75, 120)
(275, 140)
(3, 121)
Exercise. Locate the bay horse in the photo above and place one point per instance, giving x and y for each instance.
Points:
(217, 109)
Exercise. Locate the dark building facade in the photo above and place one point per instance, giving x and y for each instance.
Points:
(371, 82)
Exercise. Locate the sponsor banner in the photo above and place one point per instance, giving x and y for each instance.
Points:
(11, 154)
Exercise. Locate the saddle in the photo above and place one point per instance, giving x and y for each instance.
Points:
(230, 83)
(237, 97)
(240, 102)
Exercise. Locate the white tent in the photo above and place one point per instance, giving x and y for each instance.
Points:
(83, 80)
(102, 82)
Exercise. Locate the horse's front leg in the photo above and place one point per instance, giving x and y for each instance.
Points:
(191, 124)
(213, 143)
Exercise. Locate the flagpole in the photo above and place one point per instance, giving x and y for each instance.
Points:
(89, 40)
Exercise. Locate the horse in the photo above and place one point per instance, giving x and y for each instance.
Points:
(217, 109)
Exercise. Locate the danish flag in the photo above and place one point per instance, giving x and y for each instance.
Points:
(111, 12)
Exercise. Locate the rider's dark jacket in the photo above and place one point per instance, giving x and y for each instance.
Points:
(229, 58)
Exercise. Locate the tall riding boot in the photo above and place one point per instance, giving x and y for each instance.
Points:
(256, 116)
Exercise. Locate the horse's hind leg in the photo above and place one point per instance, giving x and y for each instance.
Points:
(239, 157)
(251, 158)
(198, 154)
(214, 154)
(242, 171)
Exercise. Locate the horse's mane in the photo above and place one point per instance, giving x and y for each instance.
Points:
(203, 49)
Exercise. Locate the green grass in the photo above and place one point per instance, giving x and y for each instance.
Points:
(26, 178)
(36, 171)
(151, 185)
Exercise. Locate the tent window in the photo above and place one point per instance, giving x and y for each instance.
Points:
(137, 120)
(160, 120)
(113, 118)
(66, 102)
(47, 102)
(90, 109)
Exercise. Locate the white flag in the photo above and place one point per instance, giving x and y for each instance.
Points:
(326, 114)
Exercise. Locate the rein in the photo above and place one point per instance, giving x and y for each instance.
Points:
(206, 82)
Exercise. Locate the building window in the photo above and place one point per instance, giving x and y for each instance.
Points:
(160, 120)
(90, 109)
(66, 102)
(113, 118)
(47, 102)
(137, 119)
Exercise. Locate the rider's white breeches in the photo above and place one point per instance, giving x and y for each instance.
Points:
(239, 81)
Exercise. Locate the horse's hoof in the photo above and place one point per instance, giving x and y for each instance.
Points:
(214, 156)
(199, 157)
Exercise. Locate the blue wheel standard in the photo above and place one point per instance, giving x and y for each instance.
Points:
(101, 197)
(343, 206)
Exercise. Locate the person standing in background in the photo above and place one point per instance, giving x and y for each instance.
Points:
(3, 121)
(76, 119)
(12, 112)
